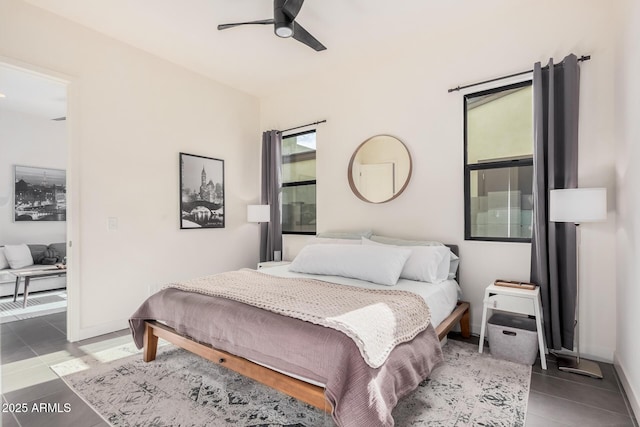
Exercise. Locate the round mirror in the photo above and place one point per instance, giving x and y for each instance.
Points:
(380, 169)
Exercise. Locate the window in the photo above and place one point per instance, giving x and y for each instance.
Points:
(498, 155)
(299, 183)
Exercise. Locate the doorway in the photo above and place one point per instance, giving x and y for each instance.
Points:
(34, 219)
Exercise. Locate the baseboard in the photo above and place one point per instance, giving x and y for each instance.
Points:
(102, 329)
(632, 396)
(475, 329)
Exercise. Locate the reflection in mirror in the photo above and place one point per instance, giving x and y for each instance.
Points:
(380, 169)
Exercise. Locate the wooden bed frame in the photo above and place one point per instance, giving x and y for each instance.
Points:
(308, 393)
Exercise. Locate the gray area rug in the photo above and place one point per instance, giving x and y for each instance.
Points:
(31, 302)
(181, 389)
(38, 304)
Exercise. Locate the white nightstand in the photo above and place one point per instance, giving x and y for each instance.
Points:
(269, 264)
(523, 301)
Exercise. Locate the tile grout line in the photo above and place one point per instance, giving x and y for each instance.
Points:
(11, 413)
(86, 402)
(550, 419)
(63, 332)
(576, 382)
(616, 393)
(580, 403)
(20, 338)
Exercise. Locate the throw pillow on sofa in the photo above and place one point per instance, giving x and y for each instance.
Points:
(36, 251)
(60, 248)
(49, 257)
(18, 256)
(3, 260)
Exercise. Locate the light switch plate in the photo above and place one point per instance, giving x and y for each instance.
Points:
(112, 223)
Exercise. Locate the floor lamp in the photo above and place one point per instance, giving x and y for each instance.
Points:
(578, 205)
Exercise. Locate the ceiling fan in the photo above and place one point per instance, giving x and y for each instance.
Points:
(284, 24)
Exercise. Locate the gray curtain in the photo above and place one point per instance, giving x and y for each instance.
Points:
(271, 232)
(555, 162)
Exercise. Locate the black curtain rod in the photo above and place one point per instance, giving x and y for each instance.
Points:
(455, 89)
(303, 126)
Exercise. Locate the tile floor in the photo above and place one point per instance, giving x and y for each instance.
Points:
(28, 347)
(558, 399)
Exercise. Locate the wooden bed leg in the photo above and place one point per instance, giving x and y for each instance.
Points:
(465, 324)
(459, 314)
(150, 344)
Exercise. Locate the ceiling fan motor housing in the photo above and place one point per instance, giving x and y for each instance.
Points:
(283, 25)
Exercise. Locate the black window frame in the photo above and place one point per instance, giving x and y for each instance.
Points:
(501, 164)
(297, 157)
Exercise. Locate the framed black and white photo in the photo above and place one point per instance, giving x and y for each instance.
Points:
(201, 192)
(40, 194)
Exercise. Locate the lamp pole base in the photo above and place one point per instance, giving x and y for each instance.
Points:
(584, 367)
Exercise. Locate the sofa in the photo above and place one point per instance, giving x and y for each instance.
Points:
(31, 257)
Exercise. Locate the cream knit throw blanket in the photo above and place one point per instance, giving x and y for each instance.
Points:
(376, 320)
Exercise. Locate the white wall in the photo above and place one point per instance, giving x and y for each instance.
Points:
(130, 114)
(627, 110)
(29, 140)
(404, 94)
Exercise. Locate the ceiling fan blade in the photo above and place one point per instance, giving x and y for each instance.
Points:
(262, 22)
(292, 7)
(303, 36)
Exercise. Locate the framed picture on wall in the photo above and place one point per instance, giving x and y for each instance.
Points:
(201, 192)
(40, 194)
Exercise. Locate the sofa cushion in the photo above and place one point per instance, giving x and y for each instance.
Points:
(60, 248)
(3, 260)
(50, 257)
(18, 255)
(36, 252)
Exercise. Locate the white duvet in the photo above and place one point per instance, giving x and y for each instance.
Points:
(441, 297)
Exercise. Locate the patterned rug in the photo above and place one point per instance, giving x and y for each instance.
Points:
(38, 304)
(181, 389)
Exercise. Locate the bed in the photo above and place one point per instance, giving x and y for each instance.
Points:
(315, 364)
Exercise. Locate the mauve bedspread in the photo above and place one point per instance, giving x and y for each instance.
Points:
(360, 395)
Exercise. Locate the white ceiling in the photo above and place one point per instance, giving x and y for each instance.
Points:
(30, 93)
(252, 58)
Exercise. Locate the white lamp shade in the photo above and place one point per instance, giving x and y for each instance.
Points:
(578, 205)
(258, 213)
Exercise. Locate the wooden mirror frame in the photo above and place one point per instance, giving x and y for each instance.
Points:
(352, 184)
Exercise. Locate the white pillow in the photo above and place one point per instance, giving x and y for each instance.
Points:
(3, 260)
(453, 265)
(377, 264)
(426, 263)
(403, 242)
(18, 256)
(349, 235)
(332, 241)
